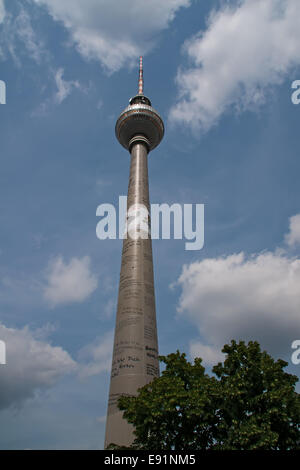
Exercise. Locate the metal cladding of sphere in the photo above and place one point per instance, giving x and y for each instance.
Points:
(140, 119)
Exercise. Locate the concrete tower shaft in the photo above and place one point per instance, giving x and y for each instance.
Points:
(135, 354)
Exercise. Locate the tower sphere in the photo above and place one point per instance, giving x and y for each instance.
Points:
(139, 120)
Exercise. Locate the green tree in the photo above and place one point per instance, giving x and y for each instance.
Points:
(258, 407)
(249, 404)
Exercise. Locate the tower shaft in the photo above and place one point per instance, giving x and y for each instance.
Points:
(135, 354)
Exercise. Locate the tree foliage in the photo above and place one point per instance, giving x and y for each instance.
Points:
(249, 404)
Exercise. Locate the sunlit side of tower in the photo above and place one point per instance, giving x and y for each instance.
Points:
(139, 129)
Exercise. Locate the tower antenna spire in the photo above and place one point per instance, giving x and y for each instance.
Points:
(141, 77)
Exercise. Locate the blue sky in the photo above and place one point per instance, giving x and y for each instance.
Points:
(220, 74)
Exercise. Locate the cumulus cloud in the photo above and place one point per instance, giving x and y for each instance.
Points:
(32, 364)
(69, 282)
(292, 238)
(242, 297)
(210, 355)
(113, 32)
(96, 357)
(246, 49)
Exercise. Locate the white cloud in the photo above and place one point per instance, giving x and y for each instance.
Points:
(245, 50)
(113, 32)
(64, 87)
(32, 364)
(96, 357)
(18, 34)
(239, 297)
(293, 237)
(28, 36)
(2, 11)
(69, 282)
(210, 355)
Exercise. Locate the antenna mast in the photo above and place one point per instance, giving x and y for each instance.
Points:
(141, 78)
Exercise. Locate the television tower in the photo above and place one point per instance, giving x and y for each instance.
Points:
(139, 129)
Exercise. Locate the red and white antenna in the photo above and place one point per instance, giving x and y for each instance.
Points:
(141, 78)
